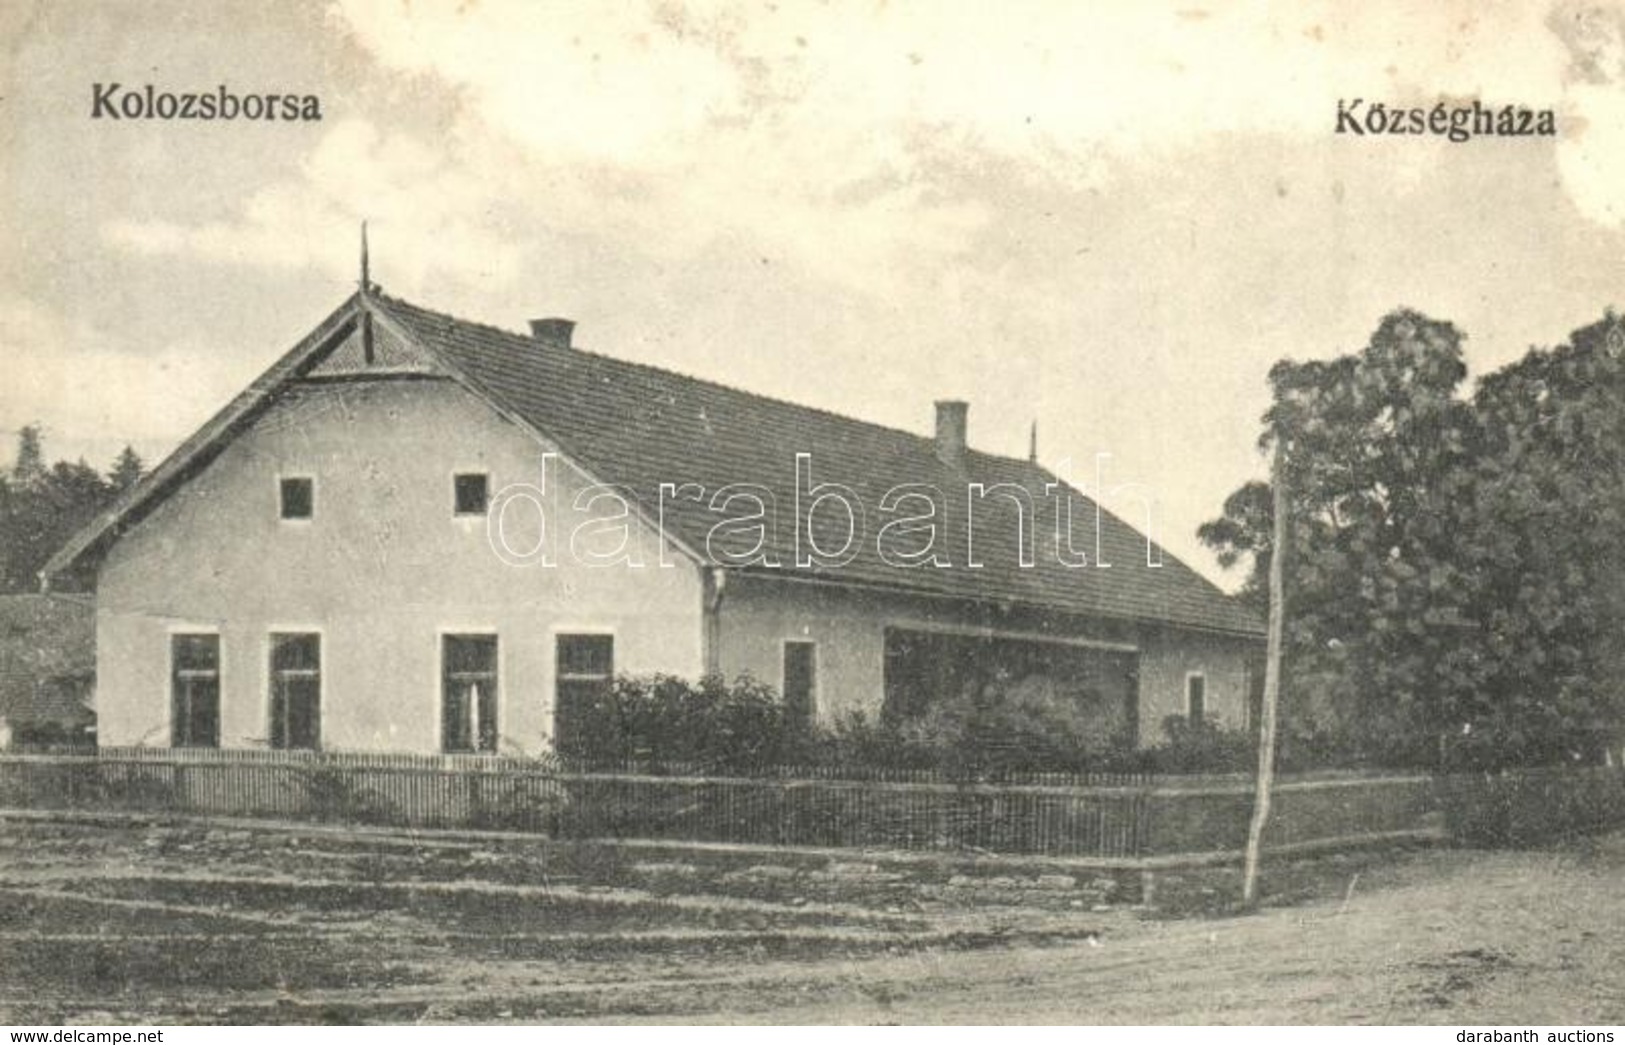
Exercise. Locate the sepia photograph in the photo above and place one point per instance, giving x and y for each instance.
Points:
(522, 512)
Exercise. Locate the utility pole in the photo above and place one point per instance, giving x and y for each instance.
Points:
(1272, 675)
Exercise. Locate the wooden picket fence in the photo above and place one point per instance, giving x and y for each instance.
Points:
(1086, 815)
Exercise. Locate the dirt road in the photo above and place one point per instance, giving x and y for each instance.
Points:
(168, 924)
(1470, 939)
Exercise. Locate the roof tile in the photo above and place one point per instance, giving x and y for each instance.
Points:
(638, 427)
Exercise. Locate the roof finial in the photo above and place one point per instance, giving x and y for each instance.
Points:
(366, 280)
(1032, 443)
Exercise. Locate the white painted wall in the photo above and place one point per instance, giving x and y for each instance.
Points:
(380, 571)
(849, 626)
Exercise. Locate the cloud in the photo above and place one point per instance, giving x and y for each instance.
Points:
(1592, 162)
(1591, 156)
(819, 129)
(429, 202)
(80, 379)
(651, 83)
(835, 138)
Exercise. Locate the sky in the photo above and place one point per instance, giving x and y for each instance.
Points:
(1109, 219)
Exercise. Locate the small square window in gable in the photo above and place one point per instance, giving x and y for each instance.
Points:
(297, 497)
(470, 493)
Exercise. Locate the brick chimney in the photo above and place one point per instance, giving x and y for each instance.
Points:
(553, 330)
(951, 426)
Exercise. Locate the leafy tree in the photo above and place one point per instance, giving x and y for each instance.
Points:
(29, 468)
(1455, 587)
(1376, 448)
(127, 469)
(1245, 532)
(1542, 543)
(40, 509)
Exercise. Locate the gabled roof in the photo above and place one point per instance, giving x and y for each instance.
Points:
(638, 428)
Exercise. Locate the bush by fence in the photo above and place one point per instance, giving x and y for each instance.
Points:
(1213, 817)
(668, 719)
(1200, 747)
(1533, 806)
(742, 725)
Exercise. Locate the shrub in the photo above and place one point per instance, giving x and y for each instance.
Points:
(1003, 727)
(333, 794)
(1500, 746)
(134, 786)
(985, 733)
(519, 802)
(665, 719)
(1202, 747)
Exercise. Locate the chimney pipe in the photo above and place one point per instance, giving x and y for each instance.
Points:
(554, 330)
(951, 427)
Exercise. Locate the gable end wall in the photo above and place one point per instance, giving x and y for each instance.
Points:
(380, 572)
